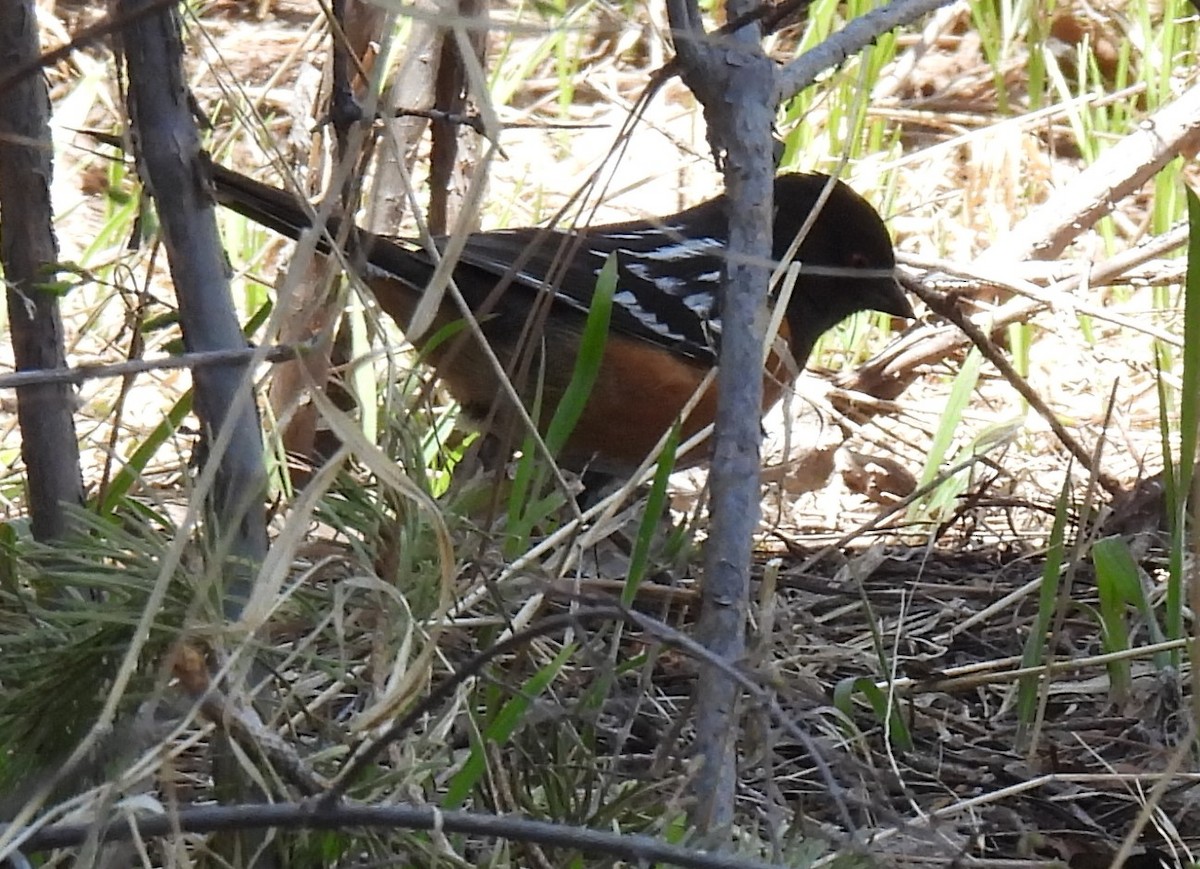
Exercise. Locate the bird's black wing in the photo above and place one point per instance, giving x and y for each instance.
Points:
(669, 273)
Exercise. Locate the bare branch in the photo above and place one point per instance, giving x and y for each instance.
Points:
(948, 308)
(29, 251)
(170, 163)
(94, 33)
(735, 82)
(638, 850)
(80, 373)
(852, 38)
(1172, 131)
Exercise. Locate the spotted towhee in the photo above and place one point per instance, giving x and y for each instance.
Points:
(666, 320)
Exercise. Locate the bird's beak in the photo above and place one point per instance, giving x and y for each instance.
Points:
(890, 298)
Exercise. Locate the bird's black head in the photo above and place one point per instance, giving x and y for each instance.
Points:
(846, 259)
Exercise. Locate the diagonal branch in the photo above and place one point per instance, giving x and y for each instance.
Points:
(852, 38)
(948, 308)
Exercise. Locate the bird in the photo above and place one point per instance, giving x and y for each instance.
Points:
(665, 325)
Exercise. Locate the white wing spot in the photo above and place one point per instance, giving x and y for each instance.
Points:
(699, 304)
(669, 284)
(630, 236)
(685, 249)
(629, 302)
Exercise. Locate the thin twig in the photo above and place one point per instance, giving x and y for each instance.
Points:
(1056, 300)
(80, 373)
(633, 849)
(87, 36)
(593, 608)
(852, 38)
(948, 308)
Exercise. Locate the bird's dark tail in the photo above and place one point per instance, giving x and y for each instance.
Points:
(272, 207)
(275, 209)
(407, 266)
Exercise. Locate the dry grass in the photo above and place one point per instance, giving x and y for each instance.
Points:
(933, 604)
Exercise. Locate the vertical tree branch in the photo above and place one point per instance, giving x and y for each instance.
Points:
(169, 161)
(170, 164)
(451, 90)
(735, 82)
(29, 251)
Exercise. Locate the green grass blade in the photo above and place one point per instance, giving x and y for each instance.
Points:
(960, 396)
(656, 503)
(587, 364)
(526, 508)
(843, 695)
(1189, 408)
(501, 727)
(1117, 583)
(1172, 497)
(1034, 653)
(133, 469)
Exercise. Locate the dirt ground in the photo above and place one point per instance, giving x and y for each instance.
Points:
(935, 597)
